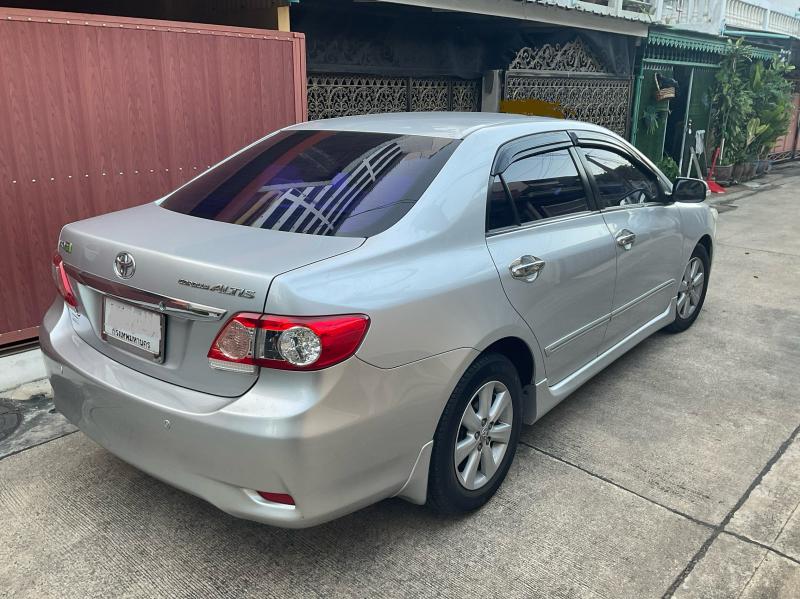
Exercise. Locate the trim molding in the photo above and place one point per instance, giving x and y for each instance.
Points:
(557, 345)
(641, 298)
(155, 302)
(547, 397)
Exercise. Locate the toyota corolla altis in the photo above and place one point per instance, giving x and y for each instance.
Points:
(368, 307)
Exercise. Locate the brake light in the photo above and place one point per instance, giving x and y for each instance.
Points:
(286, 342)
(62, 281)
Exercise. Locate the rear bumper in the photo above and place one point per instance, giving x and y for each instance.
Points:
(335, 440)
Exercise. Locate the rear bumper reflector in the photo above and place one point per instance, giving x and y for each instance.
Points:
(283, 498)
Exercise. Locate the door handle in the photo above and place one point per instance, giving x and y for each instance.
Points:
(625, 239)
(526, 268)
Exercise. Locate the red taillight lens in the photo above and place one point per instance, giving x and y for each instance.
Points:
(62, 281)
(286, 342)
(277, 497)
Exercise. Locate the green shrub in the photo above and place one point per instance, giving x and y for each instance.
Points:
(733, 103)
(772, 105)
(752, 105)
(669, 167)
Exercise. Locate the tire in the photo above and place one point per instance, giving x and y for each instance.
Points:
(449, 483)
(693, 299)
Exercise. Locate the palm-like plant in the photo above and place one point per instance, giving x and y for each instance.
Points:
(772, 103)
(752, 104)
(733, 101)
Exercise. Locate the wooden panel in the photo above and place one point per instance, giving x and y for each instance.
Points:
(102, 113)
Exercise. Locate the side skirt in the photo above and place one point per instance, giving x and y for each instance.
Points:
(542, 398)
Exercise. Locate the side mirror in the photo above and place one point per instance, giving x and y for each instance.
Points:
(689, 190)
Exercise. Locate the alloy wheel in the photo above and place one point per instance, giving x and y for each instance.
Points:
(483, 435)
(690, 290)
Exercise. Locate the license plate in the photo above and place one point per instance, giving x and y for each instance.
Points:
(134, 329)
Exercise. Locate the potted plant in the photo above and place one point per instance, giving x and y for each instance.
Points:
(651, 117)
(738, 171)
(772, 105)
(723, 174)
(732, 108)
(736, 156)
(749, 169)
(752, 108)
(755, 129)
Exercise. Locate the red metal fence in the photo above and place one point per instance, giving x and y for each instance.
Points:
(101, 113)
(786, 147)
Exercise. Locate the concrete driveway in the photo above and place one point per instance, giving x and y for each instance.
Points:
(674, 472)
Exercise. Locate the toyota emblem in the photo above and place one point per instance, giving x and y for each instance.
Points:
(124, 265)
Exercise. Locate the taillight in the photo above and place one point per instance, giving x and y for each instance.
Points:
(286, 342)
(62, 281)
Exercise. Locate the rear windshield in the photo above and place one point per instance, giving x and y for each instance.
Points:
(342, 183)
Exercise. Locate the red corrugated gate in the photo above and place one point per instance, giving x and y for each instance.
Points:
(101, 113)
(786, 147)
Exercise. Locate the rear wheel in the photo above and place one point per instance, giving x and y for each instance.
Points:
(477, 436)
(691, 291)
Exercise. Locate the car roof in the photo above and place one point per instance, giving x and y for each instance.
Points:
(454, 125)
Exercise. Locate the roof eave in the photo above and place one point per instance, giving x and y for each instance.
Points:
(557, 12)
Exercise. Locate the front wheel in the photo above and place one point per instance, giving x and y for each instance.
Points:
(691, 291)
(477, 436)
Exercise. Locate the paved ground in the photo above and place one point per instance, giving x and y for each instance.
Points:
(674, 472)
(27, 415)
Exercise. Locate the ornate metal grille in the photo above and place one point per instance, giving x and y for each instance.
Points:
(342, 95)
(601, 101)
(333, 95)
(570, 76)
(430, 94)
(573, 57)
(466, 95)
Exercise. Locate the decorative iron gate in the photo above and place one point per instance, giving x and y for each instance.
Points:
(570, 76)
(331, 95)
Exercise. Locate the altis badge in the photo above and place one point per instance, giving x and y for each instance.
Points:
(219, 288)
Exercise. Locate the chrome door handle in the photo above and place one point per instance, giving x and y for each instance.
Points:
(526, 268)
(625, 239)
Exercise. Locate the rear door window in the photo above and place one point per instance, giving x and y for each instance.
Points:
(341, 183)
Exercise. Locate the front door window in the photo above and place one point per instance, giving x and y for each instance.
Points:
(619, 181)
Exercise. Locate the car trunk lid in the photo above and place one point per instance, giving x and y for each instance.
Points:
(189, 275)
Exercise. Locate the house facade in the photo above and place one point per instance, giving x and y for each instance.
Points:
(409, 56)
(676, 126)
(770, 19)
(686, 45)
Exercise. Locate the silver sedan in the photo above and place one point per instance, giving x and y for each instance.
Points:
(368, 307)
